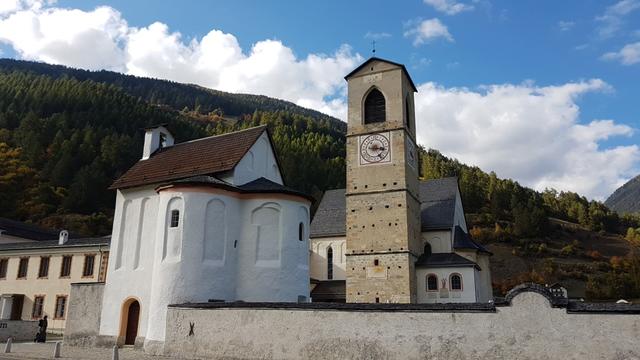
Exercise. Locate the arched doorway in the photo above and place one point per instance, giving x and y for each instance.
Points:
(130, 317)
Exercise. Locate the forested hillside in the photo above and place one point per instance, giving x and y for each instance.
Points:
(66, 134)
(64, 140)
(174, 95)
(626, 199)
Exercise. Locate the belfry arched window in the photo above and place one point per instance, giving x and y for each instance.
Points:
(455, 281)
(374, 107)
(329, 263)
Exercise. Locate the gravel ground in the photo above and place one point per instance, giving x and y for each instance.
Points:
(45, 351)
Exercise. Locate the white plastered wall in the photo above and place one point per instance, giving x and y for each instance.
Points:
(222, 262)
(259, 161)
(318, 257)
(468, 293)
(130, 271)
(440, 240)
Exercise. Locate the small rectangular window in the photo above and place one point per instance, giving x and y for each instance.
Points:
(23, 266)
(4, 264)
(65, 269)
(43, 272)
(89, 261)
(175, 218)
(38, 306)
(61, 306)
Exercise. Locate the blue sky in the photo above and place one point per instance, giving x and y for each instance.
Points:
(540, 91)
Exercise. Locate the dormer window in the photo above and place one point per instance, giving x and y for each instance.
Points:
(163, 140)
(374, 108)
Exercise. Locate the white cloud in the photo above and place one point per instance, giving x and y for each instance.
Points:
(566, 25)
(427, 31)
(10, 6)
(71, 37)
(449, 7)
(613, 18)
(628, 55)
(528, 133)
(102, 39)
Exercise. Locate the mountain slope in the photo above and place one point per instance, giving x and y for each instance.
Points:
(175, 95)
(626, 199)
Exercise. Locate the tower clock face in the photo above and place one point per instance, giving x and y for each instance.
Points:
(375, 149)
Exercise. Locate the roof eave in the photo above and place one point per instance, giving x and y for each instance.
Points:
(318, 236)
(373, 58)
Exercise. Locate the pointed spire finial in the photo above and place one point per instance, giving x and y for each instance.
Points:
(373, 47)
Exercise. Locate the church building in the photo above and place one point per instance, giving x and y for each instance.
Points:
(212, 220)
(204, 220)
(389, 237)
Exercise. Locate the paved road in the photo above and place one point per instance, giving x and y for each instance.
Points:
(45, 351)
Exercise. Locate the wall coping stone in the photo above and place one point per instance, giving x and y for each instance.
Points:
(572, 306)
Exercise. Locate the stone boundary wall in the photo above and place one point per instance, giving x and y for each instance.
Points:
(18, 330)
(83, 314)
(528, 324)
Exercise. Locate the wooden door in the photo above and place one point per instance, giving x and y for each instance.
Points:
(132, 323)
(16, 307)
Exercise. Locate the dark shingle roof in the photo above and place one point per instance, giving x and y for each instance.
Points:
(48, 244)
(462, 240)
(438, 203)
(445, 260)
(330, 218)
(329, 290)
(205, 156)
(257, 186)
(438, 208)
(26, 230)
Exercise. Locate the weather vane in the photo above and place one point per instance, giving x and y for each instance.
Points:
(373, 47)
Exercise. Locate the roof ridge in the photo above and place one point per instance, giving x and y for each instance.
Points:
(216, 136)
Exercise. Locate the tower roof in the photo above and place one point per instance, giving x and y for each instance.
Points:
(373, 58)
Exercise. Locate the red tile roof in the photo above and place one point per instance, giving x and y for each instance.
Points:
(206, 156)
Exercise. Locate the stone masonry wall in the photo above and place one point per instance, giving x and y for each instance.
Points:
(83, 314)
(529, 328)
(18, 330)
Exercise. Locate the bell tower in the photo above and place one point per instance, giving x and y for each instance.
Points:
(383, 206)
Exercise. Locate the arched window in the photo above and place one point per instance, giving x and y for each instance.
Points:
(455, 281)
(329, 263)
(427, 249)
(301, 231)
(407, 110)
(432, 282)
(374, 108)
